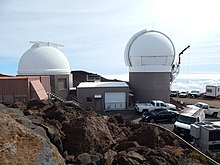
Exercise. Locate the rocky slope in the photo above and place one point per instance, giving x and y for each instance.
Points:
(46, 132)
(20, 145)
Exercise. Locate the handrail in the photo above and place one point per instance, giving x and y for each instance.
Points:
(73, 99)
(80, 101)
(56, 96)
(188, 144)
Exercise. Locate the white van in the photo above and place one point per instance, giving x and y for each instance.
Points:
(189, 116)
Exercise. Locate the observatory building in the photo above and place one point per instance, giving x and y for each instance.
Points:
(149, 56)
(45, 59)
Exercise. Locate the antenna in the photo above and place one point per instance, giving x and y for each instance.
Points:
(183, 52)
(176, 66)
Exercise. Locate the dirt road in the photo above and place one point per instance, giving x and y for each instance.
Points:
(212, 102)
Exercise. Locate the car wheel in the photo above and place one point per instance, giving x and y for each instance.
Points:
(173, 120)
(145, 110)
(152, 120)
(215, 114)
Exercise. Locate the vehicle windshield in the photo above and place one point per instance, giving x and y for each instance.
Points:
(153, 112)
(152, 103)
(194, 91)
(203, 106)
(198, 105)
(186, 119)
(149, 113)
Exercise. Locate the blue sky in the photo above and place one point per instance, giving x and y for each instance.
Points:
(95, 32)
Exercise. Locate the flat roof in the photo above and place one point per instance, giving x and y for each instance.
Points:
(102, 84)
(19, 77)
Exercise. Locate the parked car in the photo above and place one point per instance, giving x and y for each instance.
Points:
(154, 104)
(183, 94)
(208, 111)
(160, 115)
(195, 93)
(174, 93)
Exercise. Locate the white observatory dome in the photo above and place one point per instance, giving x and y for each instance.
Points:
(149, 51)
(43, 58)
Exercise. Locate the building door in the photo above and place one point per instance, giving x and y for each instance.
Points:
(98, 105)
(115, 100)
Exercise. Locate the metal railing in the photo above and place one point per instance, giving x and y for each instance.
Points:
(72, 100)
(212, 161)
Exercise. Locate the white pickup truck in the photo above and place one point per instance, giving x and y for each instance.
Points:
(146, 107)
(208, 111)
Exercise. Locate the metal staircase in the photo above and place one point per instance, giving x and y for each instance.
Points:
(73, 101)
(58, 97)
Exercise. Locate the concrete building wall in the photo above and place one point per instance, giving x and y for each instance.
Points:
(95, 97)
(147, 86)
(60, 85)
(45, 80)
(78, 77)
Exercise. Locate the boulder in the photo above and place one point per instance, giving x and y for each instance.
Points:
(84, 158)
(35, 104)
(136, 156)
(19, 117)
(23, 146)
(90, 134)
(109, 156)
(161, 155)
(125, 145)
(151, 136)
(117, 119)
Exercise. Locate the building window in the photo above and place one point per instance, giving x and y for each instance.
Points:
(209, 90)
(89, 99)
(62, 83)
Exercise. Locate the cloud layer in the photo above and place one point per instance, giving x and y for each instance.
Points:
(95, 32)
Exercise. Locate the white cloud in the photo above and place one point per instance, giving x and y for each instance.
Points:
(95, 32)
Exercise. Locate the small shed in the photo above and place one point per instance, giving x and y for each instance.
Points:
(104, 96)
(23, 88)
(212, 91)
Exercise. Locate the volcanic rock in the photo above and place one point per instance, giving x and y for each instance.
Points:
(20, 145)
(52, 129)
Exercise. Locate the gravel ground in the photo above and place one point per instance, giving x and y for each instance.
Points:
(212, 102)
